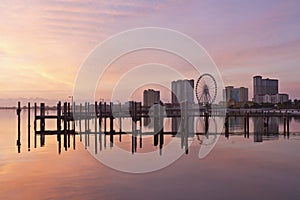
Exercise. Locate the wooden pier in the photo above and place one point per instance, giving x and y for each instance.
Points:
(103, 114)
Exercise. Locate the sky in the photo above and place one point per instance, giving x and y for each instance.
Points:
(43, 43)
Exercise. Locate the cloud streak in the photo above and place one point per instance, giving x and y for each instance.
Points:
(40, 40)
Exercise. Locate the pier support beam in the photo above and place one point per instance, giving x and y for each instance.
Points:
(245, 127)
(96, 131)
(65, 125)
(59, 117)
(248, 125)
(35, 113)
(227, 126)
(19, 127)
(42, 124)
(284, 125)
(104, 117)
(28, 126)
(80, 117)
(42, 115)
(111, 125)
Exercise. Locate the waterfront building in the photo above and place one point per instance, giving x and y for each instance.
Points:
(264, 86)
(182, 91)
(237, 95)
(150, 97)
(266, 91)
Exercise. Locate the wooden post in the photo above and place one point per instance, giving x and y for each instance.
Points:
(100, 125)
(88, 124)
(248, 125)
(65, 125)
(19, 126)
(140, 117)
(80, 117)
(111, 117)
(161, 124)
(42, 124)
(185, 131)
(96, 115)
(104, 116)
(73, 119)
(59, 117)
(206, 122)
(28, 126)
(85, 125)
(284, 125)
(227, 126)
(42, 119)
(140, 121)
(74, 141)
(135, 126)
(96, 133)
(100, 116)
(131, 110)
(156, 123)
(120, 119)
(288, 125)
(245, 127)
(59, 143)
(35, 113)
(120, 123)
(111, 126)
(59, 126)
(69, 116)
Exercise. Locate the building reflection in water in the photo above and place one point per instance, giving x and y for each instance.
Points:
(236, 123)
(265, 128)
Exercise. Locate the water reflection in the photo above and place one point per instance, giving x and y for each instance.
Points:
(142, 139)
(274, 161)
(266, 128)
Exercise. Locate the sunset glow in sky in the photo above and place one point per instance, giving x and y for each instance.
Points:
(43, 42)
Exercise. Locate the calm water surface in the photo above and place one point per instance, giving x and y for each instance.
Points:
(237, 168)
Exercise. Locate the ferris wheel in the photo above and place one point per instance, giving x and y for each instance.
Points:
(206, 89)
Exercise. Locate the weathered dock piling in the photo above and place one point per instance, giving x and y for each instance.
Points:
(28, 126)
(42, 124)
(80, 117)
(35, 114)
(111, 125)
(284, 125)
(42, 115)
(96, 130)
(104, 118)
(19, 126)
(58, 120)
(226, 124)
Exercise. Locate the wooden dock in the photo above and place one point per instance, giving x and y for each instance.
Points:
(104, 114)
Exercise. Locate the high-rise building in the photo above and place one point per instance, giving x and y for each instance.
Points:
(182, 91)
(264, 86)
(236, 94)
(266, 91)
(150, 97)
